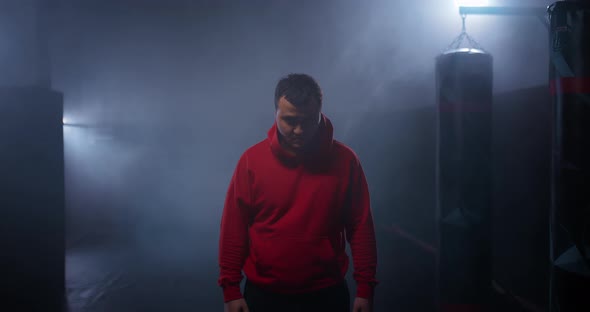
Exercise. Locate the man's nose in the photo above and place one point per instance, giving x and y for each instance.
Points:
(298, 130)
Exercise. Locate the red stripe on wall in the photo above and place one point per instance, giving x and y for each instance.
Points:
(569, 85)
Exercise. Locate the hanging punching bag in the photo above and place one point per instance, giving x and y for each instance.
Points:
(570, 208)
(464, 99)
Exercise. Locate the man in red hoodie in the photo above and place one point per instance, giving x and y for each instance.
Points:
(294, 200)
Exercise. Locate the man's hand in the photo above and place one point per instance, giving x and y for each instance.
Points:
(362, 305)
(238, 305)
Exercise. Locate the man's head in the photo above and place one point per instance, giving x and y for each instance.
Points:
(298, 106)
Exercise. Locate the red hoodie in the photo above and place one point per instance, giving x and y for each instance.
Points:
(286, 219)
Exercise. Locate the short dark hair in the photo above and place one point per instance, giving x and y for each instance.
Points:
(299, 90)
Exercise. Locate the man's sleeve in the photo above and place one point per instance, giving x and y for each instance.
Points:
(360, 233)
(233, 241)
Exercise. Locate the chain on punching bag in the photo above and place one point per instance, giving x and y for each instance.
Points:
(570, 209)
(464, 99)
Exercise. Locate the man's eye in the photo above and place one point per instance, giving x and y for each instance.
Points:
(312, 121)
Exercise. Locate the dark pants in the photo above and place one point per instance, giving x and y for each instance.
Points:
(332, 299)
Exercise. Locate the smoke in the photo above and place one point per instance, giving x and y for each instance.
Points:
(166, 95)
(18, 43)
(183, 87)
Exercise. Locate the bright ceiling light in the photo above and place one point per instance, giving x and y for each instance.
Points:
(471, 3)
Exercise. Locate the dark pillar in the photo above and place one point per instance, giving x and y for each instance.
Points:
(32, 232)
(32, 201)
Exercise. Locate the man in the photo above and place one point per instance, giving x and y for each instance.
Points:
(293, 201)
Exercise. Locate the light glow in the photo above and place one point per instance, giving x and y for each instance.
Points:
(471, 3)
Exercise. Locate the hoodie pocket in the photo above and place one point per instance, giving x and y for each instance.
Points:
(295, 261)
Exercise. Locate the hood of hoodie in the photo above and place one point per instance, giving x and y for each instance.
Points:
(317, 153)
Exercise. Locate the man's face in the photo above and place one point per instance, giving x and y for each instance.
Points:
(297, 125)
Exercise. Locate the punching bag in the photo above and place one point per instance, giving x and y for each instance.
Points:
(570, 208)
(463, 218)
